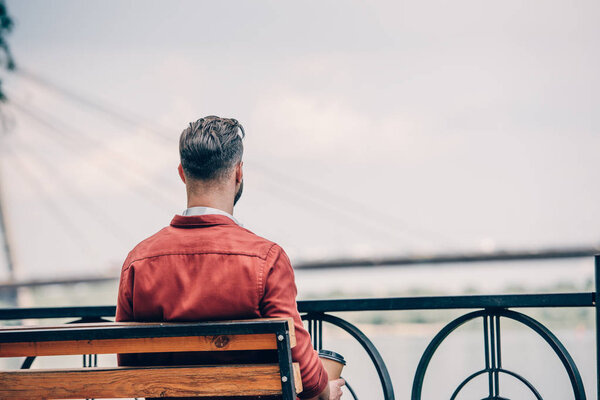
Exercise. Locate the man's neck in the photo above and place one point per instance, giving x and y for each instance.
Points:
(219, 196)
(226, 206)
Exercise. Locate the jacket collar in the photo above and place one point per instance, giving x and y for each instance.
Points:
(202, 210)
(200, 221)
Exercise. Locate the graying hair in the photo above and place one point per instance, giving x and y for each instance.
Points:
(210, 147)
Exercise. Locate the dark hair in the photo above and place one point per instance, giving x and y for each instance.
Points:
(210, 147)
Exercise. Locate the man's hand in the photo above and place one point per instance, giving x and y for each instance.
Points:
(335, 389)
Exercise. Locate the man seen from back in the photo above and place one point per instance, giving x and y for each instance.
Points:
(206, 266)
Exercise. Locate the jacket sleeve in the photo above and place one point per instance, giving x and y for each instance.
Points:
(125, 308)
(279, 300)
(125, 295)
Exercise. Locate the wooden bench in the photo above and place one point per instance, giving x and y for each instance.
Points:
(280, 380)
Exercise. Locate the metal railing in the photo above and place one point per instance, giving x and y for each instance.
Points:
(490, 309)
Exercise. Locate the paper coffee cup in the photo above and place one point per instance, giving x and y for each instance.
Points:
(333, 363)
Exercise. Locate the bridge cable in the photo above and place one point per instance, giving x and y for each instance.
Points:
(150, 191)
(86, 204)
(126, 117)
(70, 227)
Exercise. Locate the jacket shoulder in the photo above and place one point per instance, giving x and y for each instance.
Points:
(141, 248)
(229, 239)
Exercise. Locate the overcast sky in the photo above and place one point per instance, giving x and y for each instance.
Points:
(372, 127)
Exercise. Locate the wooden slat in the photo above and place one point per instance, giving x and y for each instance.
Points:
(66, 326)
(297, 377)
(107, 324)
(123, 382)
(78, 326)
(292, 332)
(140, 345)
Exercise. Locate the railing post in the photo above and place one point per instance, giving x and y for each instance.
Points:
(597, 307)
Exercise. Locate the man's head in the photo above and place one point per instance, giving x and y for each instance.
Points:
(211, 152)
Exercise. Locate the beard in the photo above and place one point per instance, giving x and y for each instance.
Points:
(239, 193)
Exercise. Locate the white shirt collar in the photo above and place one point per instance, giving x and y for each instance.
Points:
(207, 211)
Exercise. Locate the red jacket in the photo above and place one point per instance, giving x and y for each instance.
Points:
(207, 267)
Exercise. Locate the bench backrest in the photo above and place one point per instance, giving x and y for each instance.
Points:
(282, 379)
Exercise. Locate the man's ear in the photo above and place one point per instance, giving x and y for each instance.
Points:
(181, 174)
(239, 172)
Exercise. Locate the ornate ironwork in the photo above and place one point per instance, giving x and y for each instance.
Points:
(493, 355)
(315, 321)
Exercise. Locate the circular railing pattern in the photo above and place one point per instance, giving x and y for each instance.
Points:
(493, 356)
(315, 328)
